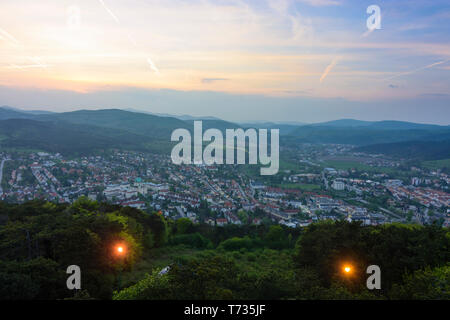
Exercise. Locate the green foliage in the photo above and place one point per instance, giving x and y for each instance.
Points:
(425, 284)
(152, 287)
(275, 233)
(184, 225)
(84, 234)
(38, 240)
(422, 150)
(237, 243)
(396, 248)
(38, 278)
(365, 135)
(195, 240)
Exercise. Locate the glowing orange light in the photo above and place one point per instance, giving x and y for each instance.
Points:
(347, 269)
(120, 250)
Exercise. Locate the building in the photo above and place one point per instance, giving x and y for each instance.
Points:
(338, 185)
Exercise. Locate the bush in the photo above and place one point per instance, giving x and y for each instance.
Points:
(195, 240)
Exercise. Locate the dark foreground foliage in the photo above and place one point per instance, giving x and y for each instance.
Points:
(39, 240)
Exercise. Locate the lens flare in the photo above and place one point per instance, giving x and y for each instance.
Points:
(120, 250)
(347, 269)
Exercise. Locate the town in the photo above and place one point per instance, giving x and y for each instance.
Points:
(315, 182)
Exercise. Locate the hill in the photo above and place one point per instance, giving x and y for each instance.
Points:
(9, 113)
(368, 134)
(137, 123)
(284, 128)
(384, 125)
(341, 123)
(67, 138)
(421, 150)
(152, 132)
(152, 126)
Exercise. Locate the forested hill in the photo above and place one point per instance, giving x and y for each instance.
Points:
(70, 139)
(420, 150)
(86, 131)
(39, 240)
(365, 135)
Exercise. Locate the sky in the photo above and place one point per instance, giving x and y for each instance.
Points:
(240, 60)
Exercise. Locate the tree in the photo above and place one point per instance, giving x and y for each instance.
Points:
(424, 284)
(184, 225)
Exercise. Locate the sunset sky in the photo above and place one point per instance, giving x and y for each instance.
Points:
(277, 60)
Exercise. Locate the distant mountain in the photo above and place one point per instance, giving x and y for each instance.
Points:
(181, 117)
(343, 123)
(27, 112)
(421, 150)
(214, 124)
(385, 124)
(10, 113)
(138, 123)
(402, 125)
(367, 134)
(186, 117)
(285, 129)
(143, 130)
(262, 123)
(65, 138)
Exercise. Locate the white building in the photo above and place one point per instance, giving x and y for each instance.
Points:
(338, 185)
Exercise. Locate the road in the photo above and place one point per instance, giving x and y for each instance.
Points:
(391, 213)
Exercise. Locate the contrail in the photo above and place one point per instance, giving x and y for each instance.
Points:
(9, 36)
(130, 38)
(418, 69)
(328, 69)
(365, 34)
(109, 11)
(152, 65)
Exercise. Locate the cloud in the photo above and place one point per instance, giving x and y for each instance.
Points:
(211, 80)
(321, 3)
(434, 95)
(393, 86)
(295, 92)
(301, 28)
(262, 49)
(411, 27)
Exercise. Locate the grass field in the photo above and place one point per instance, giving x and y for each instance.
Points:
(346, 165)
(437, 164)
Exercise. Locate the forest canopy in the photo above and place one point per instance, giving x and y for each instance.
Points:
(39, 240)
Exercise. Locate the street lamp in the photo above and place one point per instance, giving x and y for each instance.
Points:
(347, 269)
(120, 251)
